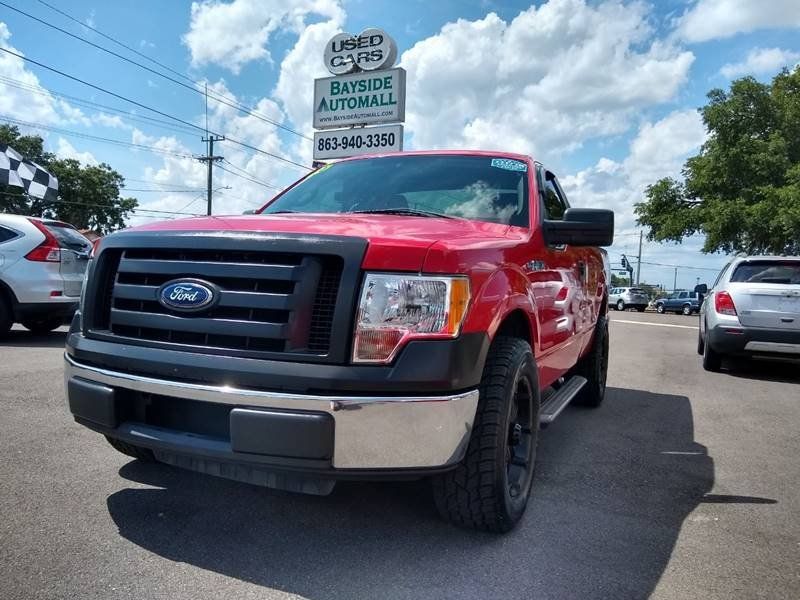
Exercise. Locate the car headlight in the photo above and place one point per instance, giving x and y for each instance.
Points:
(83, 285)
(396, 308)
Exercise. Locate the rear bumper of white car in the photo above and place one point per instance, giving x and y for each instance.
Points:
(748, 341)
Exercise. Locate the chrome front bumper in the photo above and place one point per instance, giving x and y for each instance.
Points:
(370, 432)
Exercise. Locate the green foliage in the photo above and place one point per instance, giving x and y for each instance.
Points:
(88, 196)
(743, 190)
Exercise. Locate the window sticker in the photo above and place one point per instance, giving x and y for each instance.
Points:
(509, 164)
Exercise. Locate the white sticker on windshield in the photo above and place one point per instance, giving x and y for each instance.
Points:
(509, 164)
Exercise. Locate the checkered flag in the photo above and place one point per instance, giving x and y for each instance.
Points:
(35, 180)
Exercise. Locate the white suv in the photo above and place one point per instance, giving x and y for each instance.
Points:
(41, 271)
(622, 298)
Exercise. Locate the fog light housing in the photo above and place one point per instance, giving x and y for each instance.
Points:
(395, 308)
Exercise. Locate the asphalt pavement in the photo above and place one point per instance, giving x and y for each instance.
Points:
(684, 484)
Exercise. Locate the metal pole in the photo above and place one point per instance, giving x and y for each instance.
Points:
(675, 281)
(639, 259)
(210, 159)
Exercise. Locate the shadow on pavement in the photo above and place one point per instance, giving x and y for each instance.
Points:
(22, 338)
(613, 488)
(780, 371)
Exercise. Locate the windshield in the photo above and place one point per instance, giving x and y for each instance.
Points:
(772, 271)
(482, 188)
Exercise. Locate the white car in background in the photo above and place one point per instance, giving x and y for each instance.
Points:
(42, 262)
(752, 310)
(622, 298)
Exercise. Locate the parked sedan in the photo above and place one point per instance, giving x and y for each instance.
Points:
(627, 297)
(686, 303)
(753, 309)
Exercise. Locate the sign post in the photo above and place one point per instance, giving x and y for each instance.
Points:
(365, 90)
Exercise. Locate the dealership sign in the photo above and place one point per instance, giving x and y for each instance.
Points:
(360, 99)
(371, 50)
(365, 90)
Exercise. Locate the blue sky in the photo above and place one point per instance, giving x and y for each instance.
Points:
(603, 92)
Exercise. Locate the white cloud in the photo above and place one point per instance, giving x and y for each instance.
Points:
(114, 121)
(234, 34)
(714, 19)
(760, 61)
(67, 150)
(545, 82)
(658, 150)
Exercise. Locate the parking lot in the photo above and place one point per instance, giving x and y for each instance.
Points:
(682, 485)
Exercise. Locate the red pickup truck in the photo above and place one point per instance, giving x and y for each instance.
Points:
(396, 316)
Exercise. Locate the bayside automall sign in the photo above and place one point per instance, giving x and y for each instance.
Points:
(360, 99)
(364, 90)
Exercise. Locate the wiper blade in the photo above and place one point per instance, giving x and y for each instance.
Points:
(402, 211)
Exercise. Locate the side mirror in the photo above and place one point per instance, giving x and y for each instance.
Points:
(249, 211)
(701, 289)
(581, 227)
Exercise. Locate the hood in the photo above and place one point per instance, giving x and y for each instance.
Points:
(396, 242)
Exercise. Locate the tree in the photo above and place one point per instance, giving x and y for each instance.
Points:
(742, 191)
(88, 196)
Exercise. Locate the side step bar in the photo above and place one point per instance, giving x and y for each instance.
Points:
(558, 400)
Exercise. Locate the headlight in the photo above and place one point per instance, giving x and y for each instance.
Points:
(83, 285)
(396, 308)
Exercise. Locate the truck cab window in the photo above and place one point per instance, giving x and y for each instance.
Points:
(553, 203)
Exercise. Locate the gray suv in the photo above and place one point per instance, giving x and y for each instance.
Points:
(628, 297)
(753, 309)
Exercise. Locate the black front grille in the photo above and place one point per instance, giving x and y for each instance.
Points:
(269, 302)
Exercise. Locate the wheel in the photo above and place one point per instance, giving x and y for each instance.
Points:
(594, 366)
(712, 360)
(687, 310)
(700, 342)
(143, 454)
(660, 309)
(640, 308)
(6, 319)
(45, 325)
(620, 305)
(489, 489)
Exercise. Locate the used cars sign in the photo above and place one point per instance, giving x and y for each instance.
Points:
(371, 50)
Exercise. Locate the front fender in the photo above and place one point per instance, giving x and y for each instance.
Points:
(501, 293)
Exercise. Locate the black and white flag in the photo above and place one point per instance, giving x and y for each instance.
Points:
(26, 174)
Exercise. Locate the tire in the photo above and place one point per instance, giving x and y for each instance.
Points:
(687, 310)
(43, 325)
(712, 360)
(620, 305)
(700, 343)
(660, 309)
(594, 367)
(489, 488)
(143, 454)
(641, 308)
(6, 318)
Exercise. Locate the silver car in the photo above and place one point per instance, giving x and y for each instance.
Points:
(752, 310)
(628, 297)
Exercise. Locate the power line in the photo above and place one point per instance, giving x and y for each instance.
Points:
(155, 110)
(644, 262)
(248, 175)
(184, 191)
(87, 136)
(194, 87)
(250, 179)
(99, 205)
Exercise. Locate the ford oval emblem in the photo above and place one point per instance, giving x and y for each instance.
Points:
(186, 295)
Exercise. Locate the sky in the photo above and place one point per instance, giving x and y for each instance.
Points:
(604, 93)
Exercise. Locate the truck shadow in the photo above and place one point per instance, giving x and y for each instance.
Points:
(22, 338)
(613, 488)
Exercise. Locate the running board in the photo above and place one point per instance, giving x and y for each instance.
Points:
(558, 400)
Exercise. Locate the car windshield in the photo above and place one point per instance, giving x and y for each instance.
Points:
(773, 271)
(636, 291)
(482, 188)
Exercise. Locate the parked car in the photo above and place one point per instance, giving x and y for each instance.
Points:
(752, 310)
(42, 264)
(687, 303)
(405, 315)
(622, 298)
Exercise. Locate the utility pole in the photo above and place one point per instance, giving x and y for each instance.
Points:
(639, 260)
(675, 281)
(210, 159)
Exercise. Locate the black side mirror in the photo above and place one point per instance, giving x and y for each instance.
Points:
(581, 227)
(701, 289)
